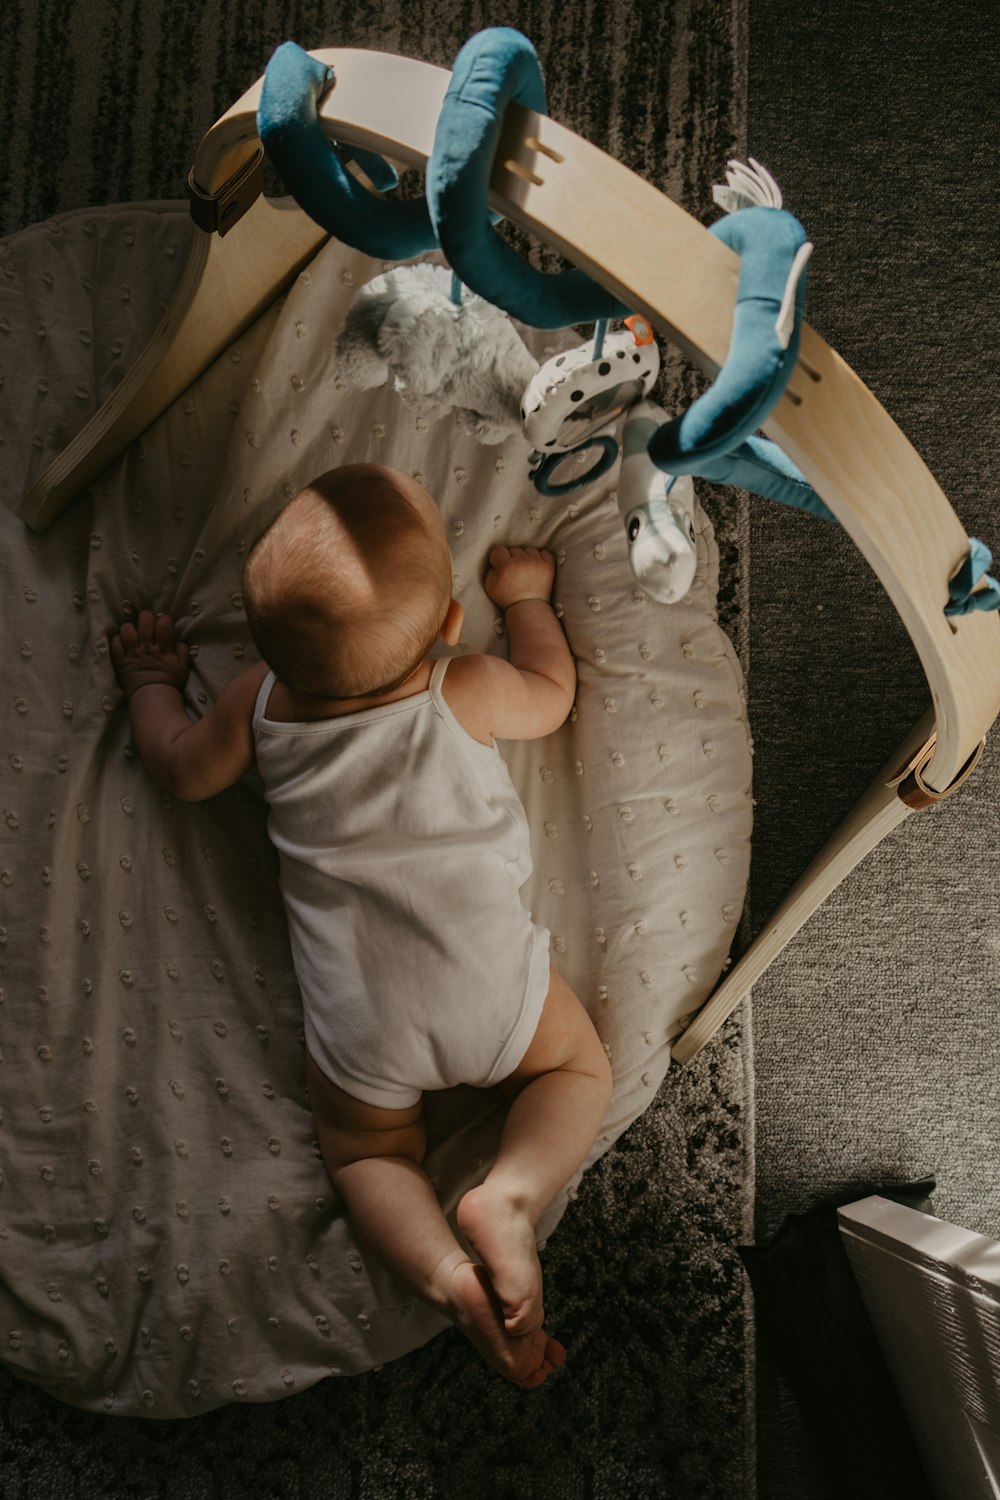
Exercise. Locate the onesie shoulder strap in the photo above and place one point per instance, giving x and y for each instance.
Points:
(437, 673)
(262, 697)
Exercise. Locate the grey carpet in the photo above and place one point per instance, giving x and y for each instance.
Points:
(106, 102)
(877, 1049)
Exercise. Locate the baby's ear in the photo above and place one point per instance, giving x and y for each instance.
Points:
(451, 630)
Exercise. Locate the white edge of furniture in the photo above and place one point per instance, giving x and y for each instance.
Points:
(932, 1293)
(659, 260)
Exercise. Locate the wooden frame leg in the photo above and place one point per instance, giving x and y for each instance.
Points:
(874, 816)
(226, 284)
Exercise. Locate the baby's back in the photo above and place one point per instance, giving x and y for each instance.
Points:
(403, 845)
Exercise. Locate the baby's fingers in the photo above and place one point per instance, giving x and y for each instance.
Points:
(499, 554)
(147, 626)
(165, 632)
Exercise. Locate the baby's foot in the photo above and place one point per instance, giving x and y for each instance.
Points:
(503, 1238)
(527, 1360)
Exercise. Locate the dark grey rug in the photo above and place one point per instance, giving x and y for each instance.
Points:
(106, 102)
(876, 1044)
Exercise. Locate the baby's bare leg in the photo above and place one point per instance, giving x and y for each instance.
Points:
(373, 1157)
(561, 1091)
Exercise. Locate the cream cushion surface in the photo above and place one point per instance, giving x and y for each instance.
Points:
(169, 1239)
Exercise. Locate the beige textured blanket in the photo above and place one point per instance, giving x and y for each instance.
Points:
(169, 1239)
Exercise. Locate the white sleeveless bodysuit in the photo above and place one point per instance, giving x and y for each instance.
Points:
(402, 846)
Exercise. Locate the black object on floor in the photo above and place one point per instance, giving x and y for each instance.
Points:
(813, 1320)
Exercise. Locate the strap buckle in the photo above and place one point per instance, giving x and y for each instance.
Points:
(218, 212)
(910, 785)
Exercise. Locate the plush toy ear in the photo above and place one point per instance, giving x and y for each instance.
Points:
(357, 344)
(487, 430)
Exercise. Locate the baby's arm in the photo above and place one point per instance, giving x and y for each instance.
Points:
(531, 694)
(193, 758)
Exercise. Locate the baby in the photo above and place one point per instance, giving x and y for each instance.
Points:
(402, 847)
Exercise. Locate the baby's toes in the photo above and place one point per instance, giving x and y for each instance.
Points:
(546, 1355)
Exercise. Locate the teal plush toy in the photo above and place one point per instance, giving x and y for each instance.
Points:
(714, 439)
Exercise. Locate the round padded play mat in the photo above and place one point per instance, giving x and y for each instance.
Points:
(169, 1238)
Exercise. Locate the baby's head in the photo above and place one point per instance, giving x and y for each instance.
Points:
(348, 588)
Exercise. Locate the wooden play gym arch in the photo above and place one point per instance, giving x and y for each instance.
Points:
(653, 255)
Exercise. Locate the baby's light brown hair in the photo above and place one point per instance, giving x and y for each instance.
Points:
(347, 589)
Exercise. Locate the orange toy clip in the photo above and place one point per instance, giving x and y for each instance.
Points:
(641, 328)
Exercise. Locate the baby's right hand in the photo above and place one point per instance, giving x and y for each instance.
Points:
(147, 653)
(519, 573)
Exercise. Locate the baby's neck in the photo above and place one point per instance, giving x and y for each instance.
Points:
(287, 706)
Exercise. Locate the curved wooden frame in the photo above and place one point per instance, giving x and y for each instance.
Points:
(653, 255)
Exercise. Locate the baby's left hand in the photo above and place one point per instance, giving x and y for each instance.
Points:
(147, 653)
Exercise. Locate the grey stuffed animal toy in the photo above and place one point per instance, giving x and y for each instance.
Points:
(466, 356)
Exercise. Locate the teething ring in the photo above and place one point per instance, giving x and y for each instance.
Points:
(609, 454)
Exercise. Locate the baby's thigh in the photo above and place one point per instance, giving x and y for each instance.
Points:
(565, 1037)
(351, 1130)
